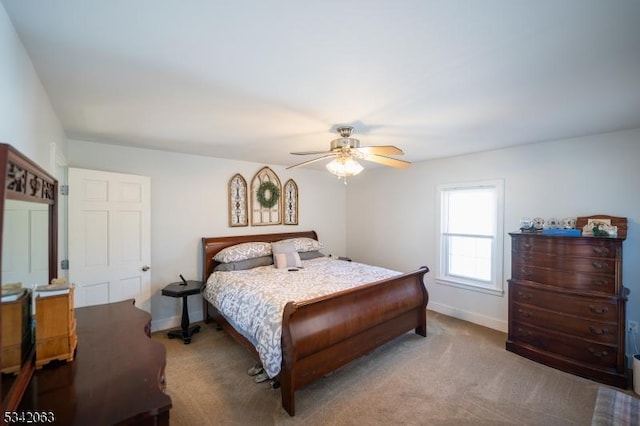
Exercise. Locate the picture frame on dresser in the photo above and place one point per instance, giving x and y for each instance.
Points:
(567, 302)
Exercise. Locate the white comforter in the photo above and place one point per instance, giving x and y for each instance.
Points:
(253, 300)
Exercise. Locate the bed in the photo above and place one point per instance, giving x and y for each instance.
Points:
(321, 334)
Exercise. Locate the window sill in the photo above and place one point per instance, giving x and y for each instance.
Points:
(465, 286)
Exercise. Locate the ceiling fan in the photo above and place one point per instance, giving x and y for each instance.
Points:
(346, 150)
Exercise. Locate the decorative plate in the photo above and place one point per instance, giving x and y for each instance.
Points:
(525, 223)
(569, 223)
(538, 223)
(553, 223)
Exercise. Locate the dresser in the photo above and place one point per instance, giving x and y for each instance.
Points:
(567, 304)
(55, 327)
(116, 376)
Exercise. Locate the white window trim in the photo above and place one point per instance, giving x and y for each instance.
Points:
(496, 287)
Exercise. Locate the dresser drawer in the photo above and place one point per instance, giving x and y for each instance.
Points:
(592, 265)
(566, 246)
(573, 348)
(598, 331)
(597, 309)
(565, 279)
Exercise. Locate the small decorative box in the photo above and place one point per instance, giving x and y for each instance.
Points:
(562, 232)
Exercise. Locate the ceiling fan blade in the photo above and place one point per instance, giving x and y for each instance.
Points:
(381, 150)
(304, 163)
(309, 152)
(381, 159)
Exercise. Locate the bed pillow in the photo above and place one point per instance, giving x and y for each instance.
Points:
(285, 255)
(304, 244)
(243, 265)
(308, 255)
(243, 251)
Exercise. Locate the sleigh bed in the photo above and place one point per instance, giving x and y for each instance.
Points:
(324, 333)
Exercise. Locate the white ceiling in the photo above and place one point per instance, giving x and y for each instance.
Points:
(254, 80)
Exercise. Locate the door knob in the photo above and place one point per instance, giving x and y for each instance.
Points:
(145, 268)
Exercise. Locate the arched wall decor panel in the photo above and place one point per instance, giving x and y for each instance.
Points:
(238, 210)
(266, 198)
(290, 199)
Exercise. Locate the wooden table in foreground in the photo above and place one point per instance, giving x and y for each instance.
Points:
(117, 376)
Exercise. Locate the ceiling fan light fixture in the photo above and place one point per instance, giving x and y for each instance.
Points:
(344, 167)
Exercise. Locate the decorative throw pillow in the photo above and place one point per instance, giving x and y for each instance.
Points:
(243, 251)
(243, 265)
(304, 244)
(287, 260)
(285, 255)
(308, 255)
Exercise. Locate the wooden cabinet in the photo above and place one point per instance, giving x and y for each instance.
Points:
(567, 304)
(17, 336)
(55, 328)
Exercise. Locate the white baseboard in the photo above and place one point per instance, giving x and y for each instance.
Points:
(174, 321)
(485, 321)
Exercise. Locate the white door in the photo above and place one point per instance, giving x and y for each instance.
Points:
(109, 237)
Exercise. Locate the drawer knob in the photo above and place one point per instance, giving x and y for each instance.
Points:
(525, 296)
(601, 250)
(598, 331)
(525, 333)
(598, 354)
(527, 314)
(526, 272)
(527, 257)
(600, 282)
(600, 265)
(600, 310)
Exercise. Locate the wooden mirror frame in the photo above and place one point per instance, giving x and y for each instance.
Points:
(23, 180)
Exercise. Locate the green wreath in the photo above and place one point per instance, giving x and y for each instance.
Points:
(268, 188)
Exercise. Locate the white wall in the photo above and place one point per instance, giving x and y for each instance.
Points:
(28, 121)
(391, 214)
(189, 197)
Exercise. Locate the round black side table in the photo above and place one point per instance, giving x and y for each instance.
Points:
(181, 290)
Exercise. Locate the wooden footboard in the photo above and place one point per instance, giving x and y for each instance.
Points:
(323, 334)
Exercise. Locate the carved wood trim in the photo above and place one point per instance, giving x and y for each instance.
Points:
(26, 181)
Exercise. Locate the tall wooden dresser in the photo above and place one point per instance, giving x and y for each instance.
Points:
(567, 303)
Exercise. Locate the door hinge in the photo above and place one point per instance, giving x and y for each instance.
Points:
(64, 189)
(64, 264)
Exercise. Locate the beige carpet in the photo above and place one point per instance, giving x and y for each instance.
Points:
(460, 374)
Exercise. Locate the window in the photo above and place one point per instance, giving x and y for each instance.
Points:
(471, 235)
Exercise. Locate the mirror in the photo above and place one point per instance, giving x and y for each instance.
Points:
(29, 258)
(25, 264)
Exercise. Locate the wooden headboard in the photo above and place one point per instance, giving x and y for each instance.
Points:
(212, 245)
